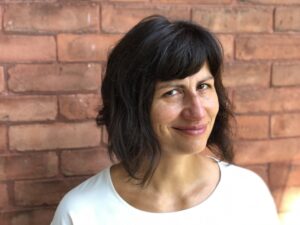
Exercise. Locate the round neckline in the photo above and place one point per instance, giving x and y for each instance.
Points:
(202, 204)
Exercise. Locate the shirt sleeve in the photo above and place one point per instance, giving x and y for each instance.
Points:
(62, 215)
(262, 203)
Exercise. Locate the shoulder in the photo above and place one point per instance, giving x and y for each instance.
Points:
(88, 190)
(244, 185)
(248, 194)
(83, 198)
(239, 176)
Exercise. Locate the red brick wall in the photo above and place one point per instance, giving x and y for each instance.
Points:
(52, 54)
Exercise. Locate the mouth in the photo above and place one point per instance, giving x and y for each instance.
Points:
(192, 130)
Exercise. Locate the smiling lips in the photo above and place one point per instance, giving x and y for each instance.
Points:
(192, 130)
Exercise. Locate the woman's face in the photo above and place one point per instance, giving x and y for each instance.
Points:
(183, 112)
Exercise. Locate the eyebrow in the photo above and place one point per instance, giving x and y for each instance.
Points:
(168, 84)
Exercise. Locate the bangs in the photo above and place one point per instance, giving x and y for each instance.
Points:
(185, 50)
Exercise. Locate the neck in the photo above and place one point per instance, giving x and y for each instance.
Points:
(178, 183)
(177, 175)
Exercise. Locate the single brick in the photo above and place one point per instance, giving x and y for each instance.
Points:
(4, 198)
(51, 18)
(267, 47)
(80, 106)
(246, 74)
(54, 136)
(2, 80)
(223, 19)
(74, 162)
(21, 48)
(33, 193)
(272, 1)
(285, 74)
(89, 47)
(130, 16)
(55, 77)
(227, 42)
(192, 1)
(3, 141)
(126, 0)
(38, 165)
(287, 18)
(27, 217)
(252, 127)
(28, 108)
(284, 174)
(285, 125)
(266, 151)
(266, 100)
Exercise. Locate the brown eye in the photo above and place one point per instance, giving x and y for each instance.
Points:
(171, 93)
(204, 86)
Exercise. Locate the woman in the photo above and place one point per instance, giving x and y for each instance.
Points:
(164, 104)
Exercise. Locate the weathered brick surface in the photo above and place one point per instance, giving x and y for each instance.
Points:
(1, 12)
(28, 108)
(33, 48)
(40, 165)
(3, 141)
(272, 1)
(264, 151)
(90, 47)
(191, 1)
(80, 106)
(267, 100)
(128, 17)
(252, 127)
(104, 136)
(32, 193)
(285, 125)
(52, 58)
(74, 162)
(126, 0)
(246, 74)
(265, 47)
(4, 199)
(55, 77)
(284, 174)
(287, 19)
(28, 217)
(229, 19)
(2, 81)
(286, 74)
(227, 42)
(54, 136)
(51, 17)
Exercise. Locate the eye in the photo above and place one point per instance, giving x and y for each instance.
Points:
(204, 86)
(172, 92)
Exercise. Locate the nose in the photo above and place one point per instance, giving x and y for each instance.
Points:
(194, 109)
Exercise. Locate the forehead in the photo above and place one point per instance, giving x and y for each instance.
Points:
(203, 74)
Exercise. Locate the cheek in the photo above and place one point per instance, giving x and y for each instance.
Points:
(162, 114)
(212, 104)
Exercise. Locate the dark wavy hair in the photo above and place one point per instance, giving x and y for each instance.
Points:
(156, 50)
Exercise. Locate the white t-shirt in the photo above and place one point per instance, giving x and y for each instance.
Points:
(240, 198)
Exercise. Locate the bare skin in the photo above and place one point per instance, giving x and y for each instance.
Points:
(182, 115)
(172, 188)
